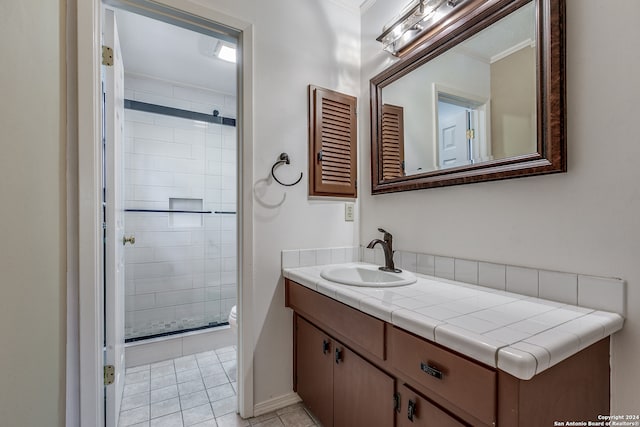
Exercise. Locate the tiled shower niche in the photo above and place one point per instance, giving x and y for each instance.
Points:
(181, 272)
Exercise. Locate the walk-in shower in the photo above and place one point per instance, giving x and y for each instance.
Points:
(180, 180)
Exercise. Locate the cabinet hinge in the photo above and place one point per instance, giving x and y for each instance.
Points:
(107, 56)
(109, 374)
(320, 155)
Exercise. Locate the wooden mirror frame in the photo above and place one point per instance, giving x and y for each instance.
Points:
(551, 156)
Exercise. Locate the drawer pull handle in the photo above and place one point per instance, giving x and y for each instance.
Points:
(411, 410)
(325, 346)
(431, 370)
(338, 355)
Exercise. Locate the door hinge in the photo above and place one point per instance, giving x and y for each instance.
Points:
(107, 56)
(109, 374)
(471, 133)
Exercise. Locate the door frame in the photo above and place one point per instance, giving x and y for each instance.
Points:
(88, 187)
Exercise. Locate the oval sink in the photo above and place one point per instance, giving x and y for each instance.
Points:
(366, 275)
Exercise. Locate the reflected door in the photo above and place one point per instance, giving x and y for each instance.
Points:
(453, 145)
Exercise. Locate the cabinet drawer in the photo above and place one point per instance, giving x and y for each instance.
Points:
(416, 411)
(356, 326)
(467, 385)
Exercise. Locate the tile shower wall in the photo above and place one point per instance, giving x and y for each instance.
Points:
(181, 272)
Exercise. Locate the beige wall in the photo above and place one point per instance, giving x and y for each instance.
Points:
(32, 211)
(513, 104)
(585, 221)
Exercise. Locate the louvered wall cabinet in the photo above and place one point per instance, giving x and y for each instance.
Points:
(332, 143)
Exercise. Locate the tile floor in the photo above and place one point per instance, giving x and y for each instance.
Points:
(196, 390)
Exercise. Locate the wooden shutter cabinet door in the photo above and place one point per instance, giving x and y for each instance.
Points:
(423, 412)
(362, 394)
(314, 370)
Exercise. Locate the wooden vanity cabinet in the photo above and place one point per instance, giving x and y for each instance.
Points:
(378, 362)
(339, 387)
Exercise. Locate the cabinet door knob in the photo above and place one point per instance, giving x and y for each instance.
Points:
(131, 240)
(325, 346)
(411, 410)
(338, 355)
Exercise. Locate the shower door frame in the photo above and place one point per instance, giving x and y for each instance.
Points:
(88, 377)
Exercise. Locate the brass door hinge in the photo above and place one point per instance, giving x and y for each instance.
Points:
(109, 374)
(471, 133)
(107, 56)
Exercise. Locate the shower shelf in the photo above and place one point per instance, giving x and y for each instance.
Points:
(167, 211)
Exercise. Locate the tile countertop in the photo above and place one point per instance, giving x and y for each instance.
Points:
(515, 333)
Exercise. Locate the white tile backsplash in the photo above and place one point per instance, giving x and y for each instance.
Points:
(602, 293)
(426, 264)
(551, 287)
(522, 280)
(466, 271)
(492, 275)
(445, 267)
(556, 286)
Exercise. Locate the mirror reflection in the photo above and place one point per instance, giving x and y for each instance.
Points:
(472, 104)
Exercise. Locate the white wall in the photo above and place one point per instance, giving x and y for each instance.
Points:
(296, 43)
(584, 221)
(32, 212)
(415, 92)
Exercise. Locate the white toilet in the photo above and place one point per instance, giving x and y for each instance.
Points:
(233, 318)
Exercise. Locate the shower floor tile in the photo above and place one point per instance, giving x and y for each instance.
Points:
(197, 390)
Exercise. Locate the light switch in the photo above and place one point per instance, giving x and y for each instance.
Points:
(348, 211)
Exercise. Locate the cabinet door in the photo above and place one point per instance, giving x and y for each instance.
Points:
(362, 394)
(314, 370)
(416, 411)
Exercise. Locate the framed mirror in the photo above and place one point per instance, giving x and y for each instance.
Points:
(481, 99)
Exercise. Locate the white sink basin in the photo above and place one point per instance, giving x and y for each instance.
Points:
(366, 275)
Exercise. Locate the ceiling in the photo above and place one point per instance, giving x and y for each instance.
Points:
(515, 30)
(165, 51)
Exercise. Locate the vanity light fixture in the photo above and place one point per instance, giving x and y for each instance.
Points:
(415, 19)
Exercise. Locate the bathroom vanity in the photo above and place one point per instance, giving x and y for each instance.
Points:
(361, 358)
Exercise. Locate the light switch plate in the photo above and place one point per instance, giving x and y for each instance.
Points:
(348, 211)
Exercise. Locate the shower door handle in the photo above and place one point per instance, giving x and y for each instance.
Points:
(131, 240)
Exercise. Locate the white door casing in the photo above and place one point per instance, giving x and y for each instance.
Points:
(114, 219)
(89, 237)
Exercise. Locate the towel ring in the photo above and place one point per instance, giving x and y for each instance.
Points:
(283, 159)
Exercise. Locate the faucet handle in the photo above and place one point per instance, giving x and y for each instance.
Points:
(383, 230)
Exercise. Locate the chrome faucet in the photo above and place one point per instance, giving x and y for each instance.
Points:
(387, 247)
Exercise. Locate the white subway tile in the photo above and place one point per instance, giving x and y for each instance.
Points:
(409, 261)
(602, 293)
(323, 256)
(426, 264)
(307, 257)
(445, 267)
(171, 298)
(466, 271)
(290, 259)
(338, 255)
(522, 280)
(556, 286)
(492, 275)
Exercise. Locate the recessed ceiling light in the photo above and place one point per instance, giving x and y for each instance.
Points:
(227, 53)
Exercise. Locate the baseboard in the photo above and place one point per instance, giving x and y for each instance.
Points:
(275, 403)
